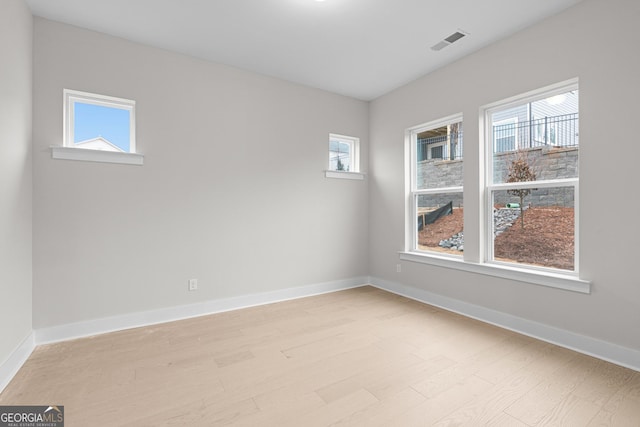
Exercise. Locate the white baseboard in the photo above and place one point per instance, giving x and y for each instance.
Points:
(12, 365)
(613, 353)
(134, 320)
(601, 349)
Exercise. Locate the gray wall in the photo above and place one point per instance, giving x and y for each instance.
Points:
(232, 191)
(607, 65)
(16, 27)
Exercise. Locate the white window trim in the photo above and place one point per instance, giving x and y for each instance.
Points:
(344, 175)
(554, 278)
(69, 152)
(503, 270)
(354, 151)
(490, 187)
(411, 190)
(551, 183)
(84, 154)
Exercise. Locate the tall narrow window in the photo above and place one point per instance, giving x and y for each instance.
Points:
(532, 183)
(436, 219)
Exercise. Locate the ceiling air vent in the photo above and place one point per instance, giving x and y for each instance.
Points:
(447, 41)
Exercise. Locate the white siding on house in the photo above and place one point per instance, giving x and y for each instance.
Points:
(98, 144)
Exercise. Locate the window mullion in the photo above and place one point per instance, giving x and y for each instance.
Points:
(550, 183)
(439, 190)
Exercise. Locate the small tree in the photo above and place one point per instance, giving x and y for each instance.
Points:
(340, 165)
(520, 170)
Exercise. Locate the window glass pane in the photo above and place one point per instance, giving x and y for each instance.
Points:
(535, 226)
(505, 135)
(543, 134)
(438, 157)
(437, 152)
(339, 155)
(101, 128)
(440, 222)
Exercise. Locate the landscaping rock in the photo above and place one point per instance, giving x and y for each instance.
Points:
(503, 218)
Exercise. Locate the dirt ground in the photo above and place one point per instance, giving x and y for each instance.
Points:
(547, 238)
(443, 228)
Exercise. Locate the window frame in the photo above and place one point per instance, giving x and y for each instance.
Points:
(68, 150)
(413, 192)
(354, 158)
(490, 186)
(353, 143)
(439, 145)
(473, 259)
(73, 96)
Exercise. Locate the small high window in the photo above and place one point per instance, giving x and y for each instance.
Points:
(344, 153)
(98, 128)
(99, 122)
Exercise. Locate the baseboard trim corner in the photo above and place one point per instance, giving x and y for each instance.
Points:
(623, 356)
(14, 362)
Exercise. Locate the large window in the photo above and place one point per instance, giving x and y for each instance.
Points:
(532, 180)
(522, 207)
(436, 186)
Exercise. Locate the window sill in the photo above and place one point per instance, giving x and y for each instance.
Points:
(344, 175)
(554, 280)
(83, 154)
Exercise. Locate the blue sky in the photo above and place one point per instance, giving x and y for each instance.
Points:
(92, 121)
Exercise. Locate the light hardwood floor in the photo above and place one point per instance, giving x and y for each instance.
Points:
(362, 357)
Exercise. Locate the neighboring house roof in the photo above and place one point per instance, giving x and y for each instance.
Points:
(98, 143)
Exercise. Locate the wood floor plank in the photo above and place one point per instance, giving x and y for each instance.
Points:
(368, 375)
(571, 410)
(385, 412)
(541, 402)
(504, 420)
(483, 410)
(361, 357)
(446, 403)
(408, 376)
(340, 409)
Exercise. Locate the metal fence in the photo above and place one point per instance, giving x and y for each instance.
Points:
(556, 131)
(445, 147)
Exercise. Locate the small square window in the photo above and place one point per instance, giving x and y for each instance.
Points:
(343, 153)
(99, 122)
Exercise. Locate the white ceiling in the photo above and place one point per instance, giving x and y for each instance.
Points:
(358, 48)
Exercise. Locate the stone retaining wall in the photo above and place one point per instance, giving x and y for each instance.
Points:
(547, 163)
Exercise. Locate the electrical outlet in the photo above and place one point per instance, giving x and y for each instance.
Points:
(398, 268)
(193, 284)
